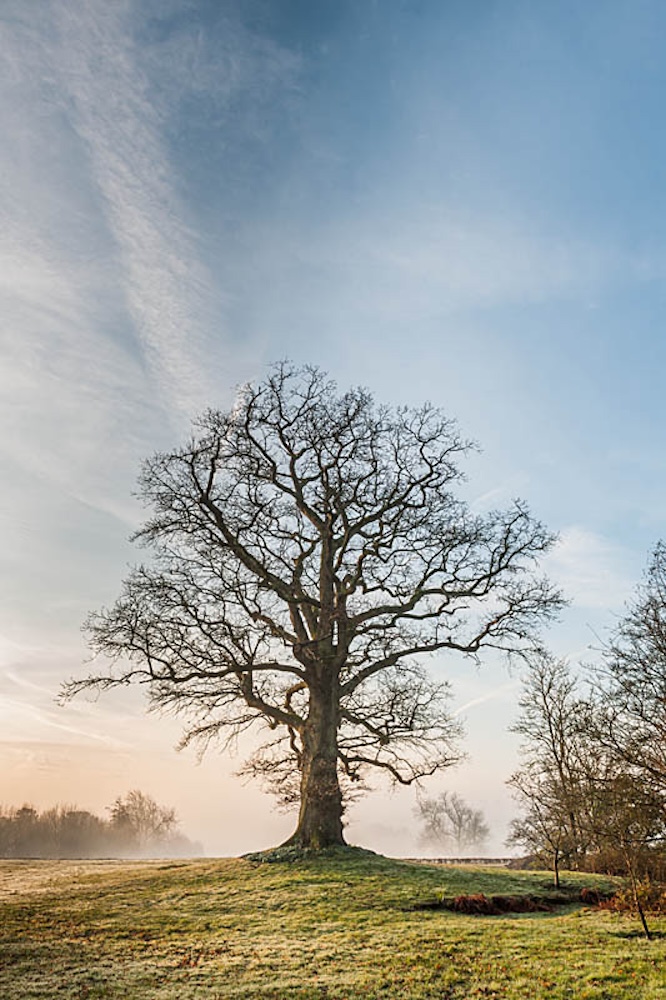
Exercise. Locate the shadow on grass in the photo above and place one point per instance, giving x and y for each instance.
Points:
(478, 904)
(638, 933)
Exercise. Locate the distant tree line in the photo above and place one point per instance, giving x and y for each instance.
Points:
(592, 782)
(136, 826)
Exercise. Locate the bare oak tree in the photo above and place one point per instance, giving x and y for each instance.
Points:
(309, 551)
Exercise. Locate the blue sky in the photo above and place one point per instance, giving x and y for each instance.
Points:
(447, 201)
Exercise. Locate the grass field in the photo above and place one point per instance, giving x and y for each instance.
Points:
(330, 928)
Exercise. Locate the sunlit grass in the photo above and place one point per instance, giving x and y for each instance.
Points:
(340, 928)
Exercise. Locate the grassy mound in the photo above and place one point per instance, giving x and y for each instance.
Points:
(291, 854)
(340, 925)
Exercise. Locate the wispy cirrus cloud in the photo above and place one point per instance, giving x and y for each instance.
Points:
(164, 283)
(87, 361)
(499, 693)
(107, 332)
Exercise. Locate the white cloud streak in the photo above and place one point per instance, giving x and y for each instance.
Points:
(74, 402)
(498, 693)
(164, 282)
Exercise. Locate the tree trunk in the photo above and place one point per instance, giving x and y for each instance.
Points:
(320, 817)
(637, 899)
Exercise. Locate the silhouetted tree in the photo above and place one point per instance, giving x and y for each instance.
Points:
(558, 762)
(68, 832)
(629, 819)
(26, 831)
(544, 827)
(450, 823)
(633, 689)
(140, 822)
(630, 717)
(587, 799)
(309, 551)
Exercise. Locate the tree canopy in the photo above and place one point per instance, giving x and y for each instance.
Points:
(590, 792)
(634, 681)
(309, 549)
